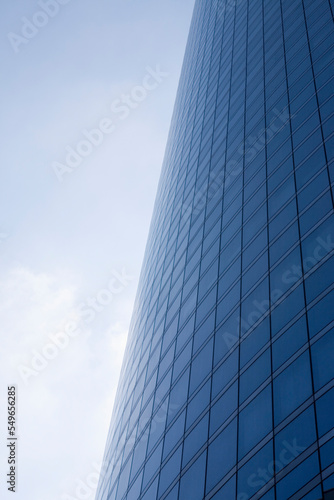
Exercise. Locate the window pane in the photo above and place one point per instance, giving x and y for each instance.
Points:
(292, 387)
(255, 421)
(327, 454)
(321, 314)
(174, 434)
(295, 438)
(325, 414)
(249, 478)
(198, 403)
(225, 373)
(195, 440)
(201, 366)
(219, 461)
(287, 309)
(170, 470)
(255, 375)
(223, 408)
(227, 491)
(254, 342)
(322, 360)
(192, 482)
(289, 343)
(300, 476)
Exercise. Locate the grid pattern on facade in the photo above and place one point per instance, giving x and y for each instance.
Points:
(227, 383)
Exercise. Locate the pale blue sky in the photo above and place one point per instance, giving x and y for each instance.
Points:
(61, 241)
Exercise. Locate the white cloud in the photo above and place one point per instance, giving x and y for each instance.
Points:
(64, 412)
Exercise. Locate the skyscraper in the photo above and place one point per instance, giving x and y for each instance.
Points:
(227, 389)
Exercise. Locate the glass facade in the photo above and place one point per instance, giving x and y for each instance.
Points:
(227, 385)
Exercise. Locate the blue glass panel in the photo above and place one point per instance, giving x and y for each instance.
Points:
(152, 464)
(195, 440)
(328, 487)
(152, 491)
(321, 314)
(255, 341)
(325, 415)
(288, 344)
(299, 477)
(170, 470)
(256, 472)
(135, 488)
(178, 396)
(198, 403)
(327, 454)
(255, 421)
(269, 496)
(321, 279)
(314, 494)
(292, 387)
(227, 491)
(174, 434)
(201, 366)
(220, 462)
(255, 375)
(295, 438)
(226, 336)
(173, 494)
(318, 244)
(322, 360)
(223, 408)
(256, 304)
(225, 373)
(287, 309)
(204, 331)
(285, 275)
(192, 482)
